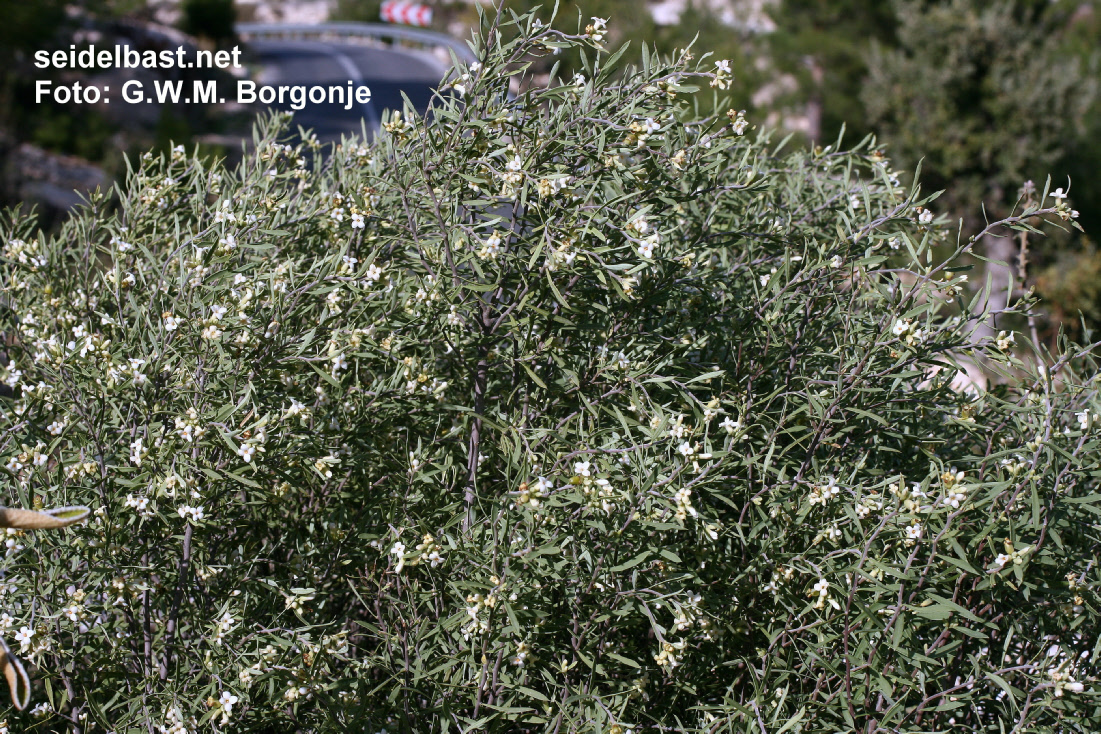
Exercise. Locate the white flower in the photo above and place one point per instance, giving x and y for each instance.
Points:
(731, 426)
(196, 513)
(646, 249)
(141, 504)
(1058, 194)
(398, 550)
(357, 221)
(836, 261)
(1005, 340)
(722, 74)
(374, 272)
(686, 449)
(913, 532)
(515, 164)
(492, 246)
(247, 451)
(822, 588)
(855, 201)
(348, 264)
(683, 499)
(170, 321)
(339, 363)
(925, 217)
(1002, 559)
(598, 29)
(227, 700)
(583, 468)
(23, 637)
(954, 498)
(137, 451)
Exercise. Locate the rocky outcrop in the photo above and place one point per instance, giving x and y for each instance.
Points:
(54, 183)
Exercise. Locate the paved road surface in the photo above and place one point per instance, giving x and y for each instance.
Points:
(388, 72)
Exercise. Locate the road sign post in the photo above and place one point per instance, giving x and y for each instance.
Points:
(406, 12)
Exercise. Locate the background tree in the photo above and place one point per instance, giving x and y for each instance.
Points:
(1070, 278)
(823, 43)
(211, 19)
(986, 96)
(983, 93)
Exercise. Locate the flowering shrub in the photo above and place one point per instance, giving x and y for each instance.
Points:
(15, 520)
(559, 411)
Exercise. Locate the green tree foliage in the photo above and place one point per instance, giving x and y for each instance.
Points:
(1082, 157)
(27, 25)
(364, 11)
(982, 92)
(824, 43)
(563, 411)
(211, 19)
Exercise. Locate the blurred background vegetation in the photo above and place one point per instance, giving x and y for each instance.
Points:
(985, 94)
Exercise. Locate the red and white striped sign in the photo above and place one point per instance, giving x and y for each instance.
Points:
(409, 13)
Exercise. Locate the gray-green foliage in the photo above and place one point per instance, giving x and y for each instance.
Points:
(562, 412)
(15, 675)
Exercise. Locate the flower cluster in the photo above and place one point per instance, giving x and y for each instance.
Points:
(908, 331)
(820, 592)
(822, 494)
(723, 77)
(738, 123)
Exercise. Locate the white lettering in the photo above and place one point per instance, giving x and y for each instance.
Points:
(137, 95)
(166, 90)
(246, 91)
